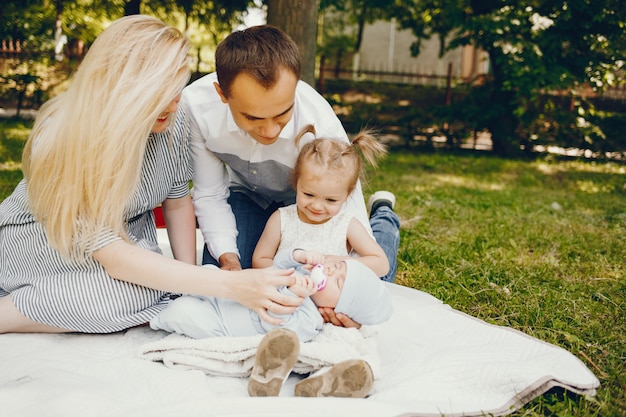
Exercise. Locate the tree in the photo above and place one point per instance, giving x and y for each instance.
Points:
(335, 41)
(132, 7)
(30, 21)
(300, 22)
(534, 47)
(357, 13)
(206, 23)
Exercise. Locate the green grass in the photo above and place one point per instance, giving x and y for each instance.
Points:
(538, 245)
(13, 134)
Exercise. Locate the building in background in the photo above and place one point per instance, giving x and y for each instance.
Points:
(385, 55)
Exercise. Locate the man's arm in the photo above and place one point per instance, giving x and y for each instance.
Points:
(210, 194)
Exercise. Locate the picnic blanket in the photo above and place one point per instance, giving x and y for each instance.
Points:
(433, 361)
(234, 356)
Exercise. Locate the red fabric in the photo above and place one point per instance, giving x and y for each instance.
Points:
(158, 217)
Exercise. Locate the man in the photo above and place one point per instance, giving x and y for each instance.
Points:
(243, 121)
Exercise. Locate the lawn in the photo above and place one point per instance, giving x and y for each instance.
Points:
(13, 134)
(536, 244)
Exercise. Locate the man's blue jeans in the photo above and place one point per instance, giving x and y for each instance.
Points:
(251, 219)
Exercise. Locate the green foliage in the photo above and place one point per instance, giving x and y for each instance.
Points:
(83, 20)
(534, 47)
(403, 110)
(339, 14)
(610, 135)
(28, 21)
(418, 114)
(428, 18)
(337, 37)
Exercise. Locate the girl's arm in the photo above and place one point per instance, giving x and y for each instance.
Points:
(370, 252)
(308, 257)
(180, 221)
(267, 246)
(255, 289)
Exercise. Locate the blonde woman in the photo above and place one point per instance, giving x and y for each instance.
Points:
(78, 244)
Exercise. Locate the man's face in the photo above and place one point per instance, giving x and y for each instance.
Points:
(262, 113)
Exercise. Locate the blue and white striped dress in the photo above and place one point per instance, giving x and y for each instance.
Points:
(78, 296)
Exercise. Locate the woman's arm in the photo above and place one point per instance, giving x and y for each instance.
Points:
(255, 289)
(267, 245)
(180, 221)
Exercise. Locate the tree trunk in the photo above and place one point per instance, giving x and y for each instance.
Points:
(503, 139)
(299, 20)
(320, 80)
(502, 123)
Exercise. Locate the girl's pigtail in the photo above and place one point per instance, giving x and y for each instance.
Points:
(371, 149)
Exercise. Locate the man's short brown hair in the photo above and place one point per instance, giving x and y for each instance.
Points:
(260, 52)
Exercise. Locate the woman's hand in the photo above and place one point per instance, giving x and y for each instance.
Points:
(257, 290)
(339, 319)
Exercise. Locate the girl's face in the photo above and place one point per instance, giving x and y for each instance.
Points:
(319, 195)
(335, 278)
(163, 121)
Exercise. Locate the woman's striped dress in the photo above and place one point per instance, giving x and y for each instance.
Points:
(81, 296)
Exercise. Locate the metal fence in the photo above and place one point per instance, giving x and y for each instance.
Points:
(613, 93)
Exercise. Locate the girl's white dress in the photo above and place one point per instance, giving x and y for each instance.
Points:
(328, 238)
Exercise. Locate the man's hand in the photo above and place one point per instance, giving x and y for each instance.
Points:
(230, 262)
(339, 319)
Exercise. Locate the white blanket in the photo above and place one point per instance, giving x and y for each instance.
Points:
(234, 356)
(434, 360)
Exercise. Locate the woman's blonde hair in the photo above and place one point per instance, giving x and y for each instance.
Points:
(338, 157)
(83, 159)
